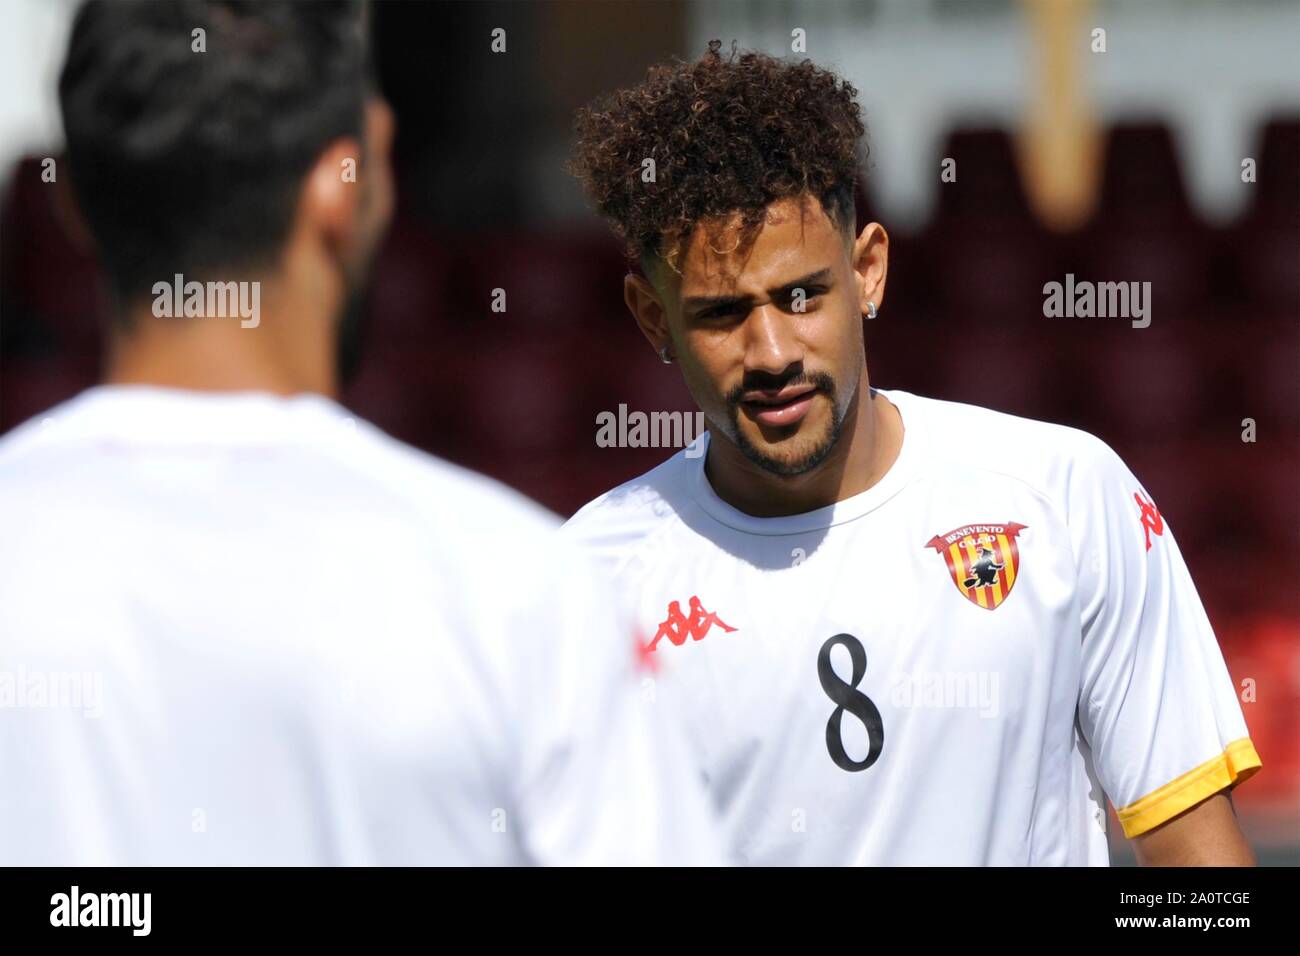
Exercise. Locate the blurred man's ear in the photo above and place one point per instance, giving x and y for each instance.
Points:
(331, 201)
(348, 194)
(377, 175)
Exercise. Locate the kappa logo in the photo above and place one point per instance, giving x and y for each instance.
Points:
(678, 626)
(983, 560)
(1149, 515)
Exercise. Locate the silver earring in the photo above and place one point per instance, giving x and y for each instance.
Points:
(663, 356)
(871, 309)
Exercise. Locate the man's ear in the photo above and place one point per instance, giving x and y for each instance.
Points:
(330, 204)
(646, 306)
(871, 263)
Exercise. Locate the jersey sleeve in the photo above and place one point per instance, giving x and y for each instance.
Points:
(1156, 703)
(605, 773)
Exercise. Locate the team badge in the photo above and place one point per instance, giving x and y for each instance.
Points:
(983, 559)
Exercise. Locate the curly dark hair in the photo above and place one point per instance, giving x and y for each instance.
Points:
(727, 135)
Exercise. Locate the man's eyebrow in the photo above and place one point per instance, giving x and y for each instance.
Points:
(707, 302)
(812, 278)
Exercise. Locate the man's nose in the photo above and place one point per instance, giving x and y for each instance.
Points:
(770, 342)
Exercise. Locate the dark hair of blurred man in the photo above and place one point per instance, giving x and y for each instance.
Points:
(254, 150)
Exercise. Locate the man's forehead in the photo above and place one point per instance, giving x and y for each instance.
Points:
(792, 241)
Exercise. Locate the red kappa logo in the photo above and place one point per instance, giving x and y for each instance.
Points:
(1152, 523)
(680, 626)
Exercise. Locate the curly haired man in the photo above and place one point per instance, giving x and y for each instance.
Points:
(880, 693)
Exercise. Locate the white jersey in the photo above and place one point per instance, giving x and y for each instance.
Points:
(245, 629)
(956, 666)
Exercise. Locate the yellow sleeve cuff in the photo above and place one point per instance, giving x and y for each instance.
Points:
(1238, 762)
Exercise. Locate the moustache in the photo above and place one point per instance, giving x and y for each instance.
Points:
(767, 382)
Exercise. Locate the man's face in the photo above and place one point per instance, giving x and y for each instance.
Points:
(774, 371)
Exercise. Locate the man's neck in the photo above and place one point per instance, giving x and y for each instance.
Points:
(870, 441)
(290, 351)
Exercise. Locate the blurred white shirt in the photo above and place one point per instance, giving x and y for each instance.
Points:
(245, 629)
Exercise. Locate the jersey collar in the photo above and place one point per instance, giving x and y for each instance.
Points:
(903, 469)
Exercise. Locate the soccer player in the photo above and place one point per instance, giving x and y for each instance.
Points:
(916, 631)
(236, 625)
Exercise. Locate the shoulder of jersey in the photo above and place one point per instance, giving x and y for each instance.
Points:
(1041, 454)
(19, 440)
(373, 467)
(449, 493)
(23, 468)
(635, 507)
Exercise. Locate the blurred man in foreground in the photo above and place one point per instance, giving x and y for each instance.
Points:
(236, 625)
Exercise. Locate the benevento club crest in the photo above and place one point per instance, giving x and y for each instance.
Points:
(983, 559)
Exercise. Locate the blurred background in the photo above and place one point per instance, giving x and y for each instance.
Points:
(1122, 165)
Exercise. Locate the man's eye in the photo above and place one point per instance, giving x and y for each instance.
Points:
(809, 293)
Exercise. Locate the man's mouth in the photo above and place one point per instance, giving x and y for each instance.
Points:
(786, 406)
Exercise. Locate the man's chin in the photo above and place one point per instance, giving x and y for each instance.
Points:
(791, 455)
